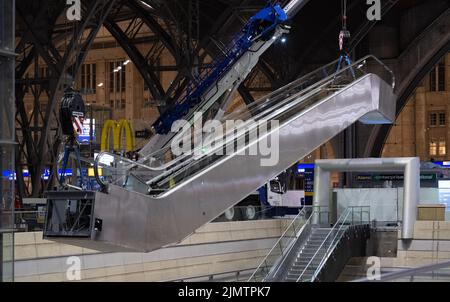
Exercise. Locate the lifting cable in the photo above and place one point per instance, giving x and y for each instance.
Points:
(344, 14)
(344, 40)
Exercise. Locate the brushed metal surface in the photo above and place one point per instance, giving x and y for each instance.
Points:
(410, 166)
(144, 223)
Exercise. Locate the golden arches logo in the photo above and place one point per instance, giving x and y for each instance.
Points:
(116, 129)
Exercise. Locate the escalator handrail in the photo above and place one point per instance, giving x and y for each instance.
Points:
(230, 139)
(316, 88)
(303, 98)
(283, 89)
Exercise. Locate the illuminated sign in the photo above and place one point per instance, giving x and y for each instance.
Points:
(393, 177)
(85, 137)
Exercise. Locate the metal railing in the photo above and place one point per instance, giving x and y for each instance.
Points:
(276, 256)
(347, 218)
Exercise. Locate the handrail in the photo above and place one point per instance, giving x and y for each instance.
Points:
(278, 241)
(290, 244)
(311, 91)
(335, 243)
(303, 211)
(278, 91)
(269, 113)
(408, 272)
(346, 213)
(253, 126)
(228, 140)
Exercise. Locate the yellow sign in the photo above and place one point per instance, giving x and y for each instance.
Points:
(91, 172)
(116, 128)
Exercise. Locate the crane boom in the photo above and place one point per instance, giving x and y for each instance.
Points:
(227, 72)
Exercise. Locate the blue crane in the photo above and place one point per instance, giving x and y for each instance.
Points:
(260, 27)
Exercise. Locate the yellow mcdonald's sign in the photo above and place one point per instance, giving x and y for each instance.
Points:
(116, 129)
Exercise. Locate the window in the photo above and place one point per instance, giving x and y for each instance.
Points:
(433, 148)
(438, 119)
(117, 76)
(89, 78)
(118, 104)
(442, 119)
(441, 76)
(117, 84)
(442, 147)
(433, 119)
(437, 77)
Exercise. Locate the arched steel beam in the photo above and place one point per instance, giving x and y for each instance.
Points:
(383, 131)
(156, 28)
(94, 14)
(138, 59)
(412, 66)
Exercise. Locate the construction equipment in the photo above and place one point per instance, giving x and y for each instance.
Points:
(72, 114)
(227, 72)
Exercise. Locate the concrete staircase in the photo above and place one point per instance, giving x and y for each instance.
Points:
(306, 253)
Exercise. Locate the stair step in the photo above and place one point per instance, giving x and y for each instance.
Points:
(317, 245)
(306, 276)
(299, 271)
(306, 262)
(311, 253)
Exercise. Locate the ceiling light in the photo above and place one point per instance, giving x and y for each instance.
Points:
(147, 5)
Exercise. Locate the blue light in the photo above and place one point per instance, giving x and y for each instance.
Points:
(69, 172)
(6, 174)
(442, 163)
(305, 166)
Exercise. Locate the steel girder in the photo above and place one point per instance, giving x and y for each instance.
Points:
(124, 38)
(166, 26)
(38, 133)
(411, 67)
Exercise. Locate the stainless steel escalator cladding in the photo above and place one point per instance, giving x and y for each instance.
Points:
(142, 222)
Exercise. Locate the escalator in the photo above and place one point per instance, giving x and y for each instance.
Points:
(165, 196)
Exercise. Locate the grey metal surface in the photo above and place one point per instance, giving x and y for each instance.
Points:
(409, 166)
(145, 223)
